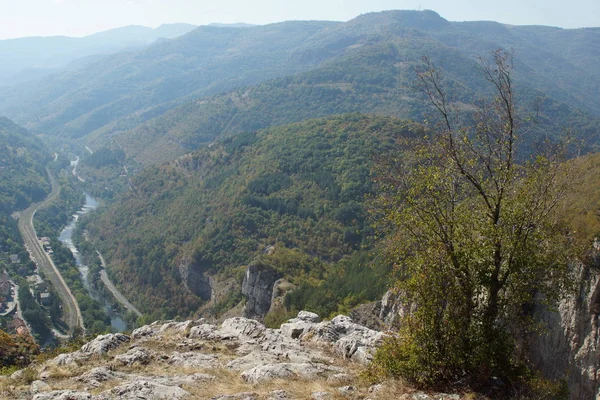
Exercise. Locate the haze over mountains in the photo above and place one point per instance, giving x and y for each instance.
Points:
(29, 58)
(365, 65)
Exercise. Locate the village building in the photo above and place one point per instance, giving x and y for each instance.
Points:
(14, 258)
(46, 244)
(19, 326)
(5, 285)
(22, 270)
(45, 299)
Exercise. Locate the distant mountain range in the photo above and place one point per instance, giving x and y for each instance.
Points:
(234, 25)
(29, 58)
(365, 65)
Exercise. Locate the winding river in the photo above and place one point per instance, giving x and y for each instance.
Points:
(66, 238)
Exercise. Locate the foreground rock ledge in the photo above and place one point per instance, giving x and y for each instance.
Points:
(240, 359)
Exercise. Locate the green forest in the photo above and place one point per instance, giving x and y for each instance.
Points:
(302, 188)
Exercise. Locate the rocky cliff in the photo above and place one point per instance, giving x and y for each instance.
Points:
(258, 285)
(566, 348)
(569, 348)
(195, 279)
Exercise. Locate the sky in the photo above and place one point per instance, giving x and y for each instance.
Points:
(19, 18)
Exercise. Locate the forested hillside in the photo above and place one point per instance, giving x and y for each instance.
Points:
(22, 166)
(301, 188)
(23, 180)
(372, 70)
(378, 77)
(218, 208)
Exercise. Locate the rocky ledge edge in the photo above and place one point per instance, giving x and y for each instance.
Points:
(240, 359)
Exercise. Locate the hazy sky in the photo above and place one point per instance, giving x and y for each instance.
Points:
(81, 17)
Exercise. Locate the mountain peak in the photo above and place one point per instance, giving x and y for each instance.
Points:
(424, 20)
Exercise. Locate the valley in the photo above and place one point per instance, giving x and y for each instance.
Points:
(426, 187)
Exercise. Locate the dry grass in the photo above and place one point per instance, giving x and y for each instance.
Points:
(230, 382)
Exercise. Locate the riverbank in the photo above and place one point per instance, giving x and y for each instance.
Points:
(66, 238)
(112, 288)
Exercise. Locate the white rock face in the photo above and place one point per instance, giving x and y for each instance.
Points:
(194, 354)
(571, 345)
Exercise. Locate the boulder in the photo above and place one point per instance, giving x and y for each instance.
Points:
(303, 323)
(104, 343)
(308, 316)
(68, 359)
(96, 376)
(278, 395)
(138, 355)
(359, 345)
(144, 331)
(176, 327)
(251, 360)
(63, 395)
(193, 359)
(267, 372)
(241, 328)
(205, 332)
(39, 386)
(294, 329)
(285, 370)
(144, 389)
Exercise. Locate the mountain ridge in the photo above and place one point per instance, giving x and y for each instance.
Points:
(143, 93)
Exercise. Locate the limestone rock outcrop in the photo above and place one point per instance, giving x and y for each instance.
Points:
(239, 359)
(257, 287)
(194, 277)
